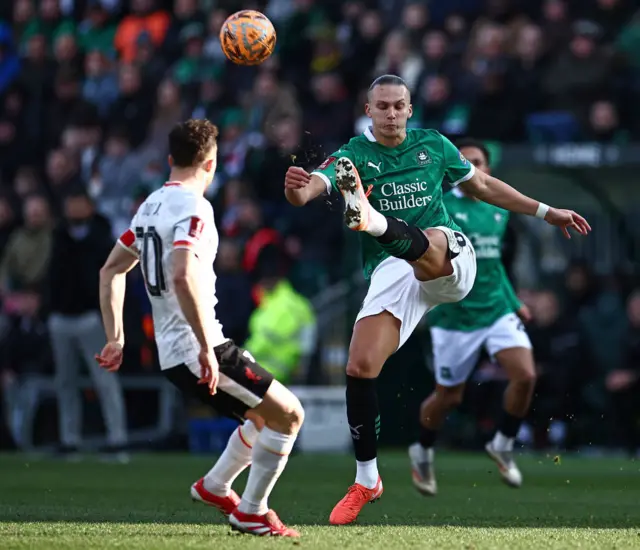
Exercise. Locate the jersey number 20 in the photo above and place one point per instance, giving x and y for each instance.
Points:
(151, 260)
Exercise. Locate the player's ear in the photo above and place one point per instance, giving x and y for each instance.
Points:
(170, 161)
(367, 110)
(410, 110)
(209, 165)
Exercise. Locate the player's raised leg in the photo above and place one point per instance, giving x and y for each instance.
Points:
(428, 251)
(519, 365)
(374, 339)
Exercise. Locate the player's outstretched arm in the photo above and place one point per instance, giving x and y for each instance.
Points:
(496, 192)
(300, 187)
(113, 280)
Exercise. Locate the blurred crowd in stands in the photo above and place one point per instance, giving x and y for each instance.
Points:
(90, 88)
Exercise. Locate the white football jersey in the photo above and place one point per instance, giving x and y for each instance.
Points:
(175, 217)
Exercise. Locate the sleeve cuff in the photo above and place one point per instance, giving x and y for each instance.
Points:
(325, 179)
(472, 171)
(128, 248)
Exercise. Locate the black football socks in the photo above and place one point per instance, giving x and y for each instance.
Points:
(403, 241)
(363, 416)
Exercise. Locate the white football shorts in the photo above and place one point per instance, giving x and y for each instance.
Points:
(455, 353)
(395, 289)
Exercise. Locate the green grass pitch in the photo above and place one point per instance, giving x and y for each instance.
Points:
(571, 503)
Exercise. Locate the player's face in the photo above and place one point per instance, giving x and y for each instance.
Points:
(389, 108)
(476, 157)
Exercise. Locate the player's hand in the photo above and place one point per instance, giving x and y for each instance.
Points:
(566, 219)
(524, 313)
(296, 178)
(208, 369)
(110, 358)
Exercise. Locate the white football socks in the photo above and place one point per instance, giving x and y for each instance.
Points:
(270, 455)
(501, 442)
(235, 458)
(377, 223)
(367, 473)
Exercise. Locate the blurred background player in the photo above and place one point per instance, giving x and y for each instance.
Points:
(491, 316)
(174, 237)
(415, 261)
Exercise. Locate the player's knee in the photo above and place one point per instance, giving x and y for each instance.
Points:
(363, 367)
(525, 377)
(528, 378)
(290, 417)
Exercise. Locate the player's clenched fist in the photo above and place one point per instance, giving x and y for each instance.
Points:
(296, 178)
(110, 358)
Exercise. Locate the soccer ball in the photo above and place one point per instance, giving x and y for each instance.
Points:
(247, 37)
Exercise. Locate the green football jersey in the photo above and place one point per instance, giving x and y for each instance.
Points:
(405, 181)
(492, 295)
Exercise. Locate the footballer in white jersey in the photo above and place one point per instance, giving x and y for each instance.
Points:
(175, 217)
(174, 238)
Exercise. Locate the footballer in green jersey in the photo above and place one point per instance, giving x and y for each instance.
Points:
(414, 254)
(490, 316)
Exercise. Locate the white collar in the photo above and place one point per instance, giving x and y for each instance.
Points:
(368, 133)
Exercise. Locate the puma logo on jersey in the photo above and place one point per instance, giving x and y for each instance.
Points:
(376, 166)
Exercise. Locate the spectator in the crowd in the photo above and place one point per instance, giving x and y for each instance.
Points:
(25, 260)
(435, 107)
(68, 100)
(556, 25)
(118, 175)
(398, 58)
(580, 75)
(101, 81)
(527, 68)
(329, 114)
(23, 12)
(66, 52)
(185, 14)
(363, 49)
(603, 124)
(269, 101)
(623, 384)
(81, 244)
(63, 175)
(97, 31)
(26, 182)
(282, 329)
(169, 110)
(144, 16)
(415, 21)
(132, 109)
